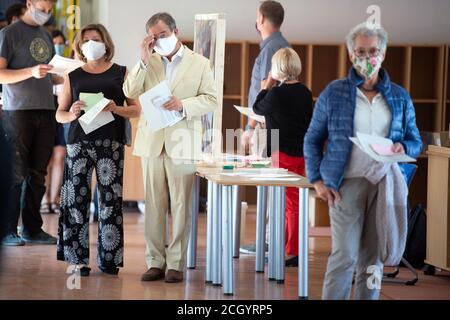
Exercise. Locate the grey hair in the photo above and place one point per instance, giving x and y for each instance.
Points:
(364, 29)
(164, 17)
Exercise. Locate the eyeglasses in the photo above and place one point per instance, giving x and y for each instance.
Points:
(362, 52)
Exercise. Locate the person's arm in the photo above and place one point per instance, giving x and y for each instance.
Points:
(411, 142)
(251, 124)
(57, 79)
(67, 112)
(267, 99)
(132, 108)
(315, 138)
(313, 150)
(266, 102)
(9, 76)
(134, 85)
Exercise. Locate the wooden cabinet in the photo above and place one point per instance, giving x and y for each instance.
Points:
(438, 211)
(424, 78)
(133, 187)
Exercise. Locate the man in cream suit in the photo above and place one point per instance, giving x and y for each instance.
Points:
(168, 155)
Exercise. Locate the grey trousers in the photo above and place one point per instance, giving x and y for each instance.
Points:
(354, 244)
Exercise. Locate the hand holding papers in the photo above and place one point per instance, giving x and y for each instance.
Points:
(94, 117)
(249, 113)
(62, 66)
(382, 150)
(152, 105)
(379, 149)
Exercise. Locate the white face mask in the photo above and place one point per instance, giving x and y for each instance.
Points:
(93, 50)
(165, 46)
(39, 16)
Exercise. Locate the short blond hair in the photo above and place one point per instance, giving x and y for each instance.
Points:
(286, 65)
(104, 34)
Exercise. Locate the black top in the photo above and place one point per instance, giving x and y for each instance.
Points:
(288, 108)
(110, 84)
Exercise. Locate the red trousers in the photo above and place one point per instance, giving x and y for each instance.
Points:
(297, 165)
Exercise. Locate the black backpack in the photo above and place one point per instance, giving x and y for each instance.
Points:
(415, 250)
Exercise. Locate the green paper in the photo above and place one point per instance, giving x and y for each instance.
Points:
(90, 99)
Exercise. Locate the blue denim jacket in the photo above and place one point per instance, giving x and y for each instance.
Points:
(332, 122)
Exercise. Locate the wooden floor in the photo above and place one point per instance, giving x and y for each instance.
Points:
(32, 272)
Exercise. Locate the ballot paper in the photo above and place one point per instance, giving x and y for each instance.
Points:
(382, 150)
(62, 66)
(94, 116)
(249, 113)
(90, 99)
(379, 148)
(152, 103)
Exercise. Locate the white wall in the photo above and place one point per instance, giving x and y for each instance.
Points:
(306, 21)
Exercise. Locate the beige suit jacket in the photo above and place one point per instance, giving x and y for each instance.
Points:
(194, 86)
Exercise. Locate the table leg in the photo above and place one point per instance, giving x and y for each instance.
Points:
(209, 233)
(227, 239)
(280, 233)
(192, 244)
(217, 236)
(261, 207)
(236, 220)
(303, 230)
(272, 212)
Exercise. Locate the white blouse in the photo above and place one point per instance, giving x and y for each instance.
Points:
(370, 118)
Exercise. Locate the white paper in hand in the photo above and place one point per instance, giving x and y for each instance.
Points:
(62, 66)
(95, 117)
(366, 142)
(152, 103)
(251, 114)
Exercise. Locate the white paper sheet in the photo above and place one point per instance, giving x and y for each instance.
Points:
(152, 105)
(364, 142)
(249, 113)
(95, 117)
(264, 170)
(275, 179)
(62, 66)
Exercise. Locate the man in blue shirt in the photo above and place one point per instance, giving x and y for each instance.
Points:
(269, 19)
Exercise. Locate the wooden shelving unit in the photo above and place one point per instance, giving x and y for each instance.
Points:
(446, 93)
(422, 70)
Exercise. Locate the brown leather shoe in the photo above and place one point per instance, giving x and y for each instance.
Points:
(153, 274)
(174, 276)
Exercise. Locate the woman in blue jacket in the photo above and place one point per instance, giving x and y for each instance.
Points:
(365, 101)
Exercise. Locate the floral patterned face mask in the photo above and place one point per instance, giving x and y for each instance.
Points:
(367, 66)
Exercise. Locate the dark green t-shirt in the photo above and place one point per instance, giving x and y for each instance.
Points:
(26, 46)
